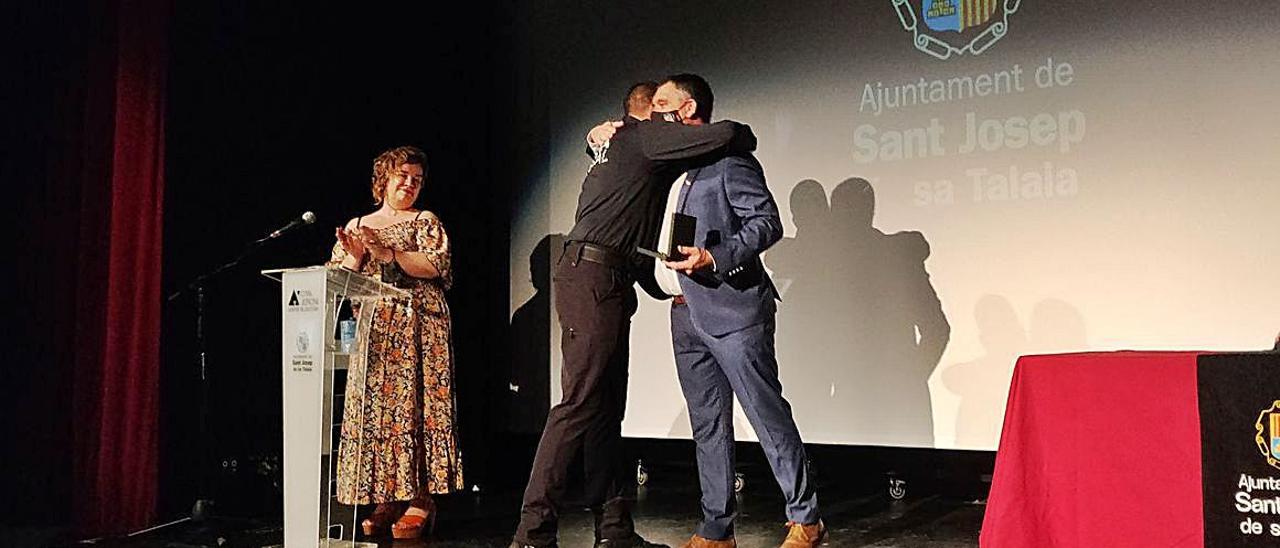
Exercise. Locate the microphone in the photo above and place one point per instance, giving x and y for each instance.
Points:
(306, 219)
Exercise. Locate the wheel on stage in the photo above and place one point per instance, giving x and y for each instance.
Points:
(739, 482)
(897, 489)
(642, 475)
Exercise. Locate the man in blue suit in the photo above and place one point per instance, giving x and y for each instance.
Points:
(722, 326)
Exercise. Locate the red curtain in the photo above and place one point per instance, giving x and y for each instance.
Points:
(116, 384)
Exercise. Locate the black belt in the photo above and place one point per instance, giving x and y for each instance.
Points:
(598, 254)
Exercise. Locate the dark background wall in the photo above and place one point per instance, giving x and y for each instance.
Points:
(43, 105)
(278, 110)
(273, 110)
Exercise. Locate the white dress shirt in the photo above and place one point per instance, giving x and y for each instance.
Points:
(667, 279)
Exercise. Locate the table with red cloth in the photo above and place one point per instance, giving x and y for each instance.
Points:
(1099, 449)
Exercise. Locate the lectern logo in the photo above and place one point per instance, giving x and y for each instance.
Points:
(303, 341)
(943, 28)
(302, 300)
(1268, 438)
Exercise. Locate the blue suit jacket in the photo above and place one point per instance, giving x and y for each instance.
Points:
(737, 221)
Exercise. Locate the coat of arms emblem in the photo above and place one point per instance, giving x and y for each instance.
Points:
(1268, 438)
(943, 28)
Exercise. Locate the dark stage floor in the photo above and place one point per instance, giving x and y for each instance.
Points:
(665, 513)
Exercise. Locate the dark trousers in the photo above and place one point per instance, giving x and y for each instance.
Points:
(715, 370)
(595, 304)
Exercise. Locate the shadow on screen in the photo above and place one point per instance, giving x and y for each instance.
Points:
(860, 327)
(530, 340)
(982, 384)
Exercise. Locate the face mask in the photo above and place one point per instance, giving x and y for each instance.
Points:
(668, 116)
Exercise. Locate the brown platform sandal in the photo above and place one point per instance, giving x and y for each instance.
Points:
(381, 519)
(415, 519)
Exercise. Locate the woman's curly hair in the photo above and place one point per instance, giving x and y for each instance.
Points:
(388, 163)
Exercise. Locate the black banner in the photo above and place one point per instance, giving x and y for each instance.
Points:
(1240, 448)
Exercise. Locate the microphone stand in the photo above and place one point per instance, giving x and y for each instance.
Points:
(197, 284)
(202, 508)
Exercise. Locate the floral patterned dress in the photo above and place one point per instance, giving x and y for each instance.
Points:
(399, 436)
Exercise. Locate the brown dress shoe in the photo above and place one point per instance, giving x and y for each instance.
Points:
(804, 536)
(699, 542)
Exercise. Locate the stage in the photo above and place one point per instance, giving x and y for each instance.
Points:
(937, 191)
(665, 513)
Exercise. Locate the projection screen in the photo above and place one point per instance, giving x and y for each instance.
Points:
(961, 182)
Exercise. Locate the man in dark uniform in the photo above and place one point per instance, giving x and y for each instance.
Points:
(619, 210)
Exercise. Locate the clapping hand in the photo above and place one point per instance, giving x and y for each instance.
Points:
(368, 239)
(367, 235)
(351, 243)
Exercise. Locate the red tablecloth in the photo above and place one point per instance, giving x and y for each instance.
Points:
(1099, 450)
